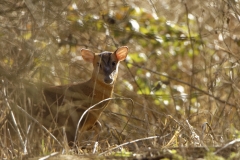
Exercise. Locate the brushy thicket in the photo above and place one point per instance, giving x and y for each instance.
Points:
(182, 74)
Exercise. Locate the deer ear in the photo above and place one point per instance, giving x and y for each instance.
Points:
(87, 55)
(121, 53)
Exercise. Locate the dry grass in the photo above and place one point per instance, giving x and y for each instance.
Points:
(185, 89)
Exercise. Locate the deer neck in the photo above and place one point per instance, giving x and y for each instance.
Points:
(100, 90)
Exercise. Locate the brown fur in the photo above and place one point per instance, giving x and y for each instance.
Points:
(66, 104)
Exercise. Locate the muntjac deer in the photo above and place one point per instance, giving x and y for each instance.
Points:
(66, 104)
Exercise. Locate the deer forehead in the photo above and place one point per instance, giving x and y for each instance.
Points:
(105, 57)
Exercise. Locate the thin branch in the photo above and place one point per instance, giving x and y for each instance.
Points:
(227, 145)
(85, 112)
(193, 55)
(134, 141)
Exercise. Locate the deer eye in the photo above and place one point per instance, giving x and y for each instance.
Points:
(113, 63)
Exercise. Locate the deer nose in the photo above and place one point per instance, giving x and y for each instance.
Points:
(108, 79)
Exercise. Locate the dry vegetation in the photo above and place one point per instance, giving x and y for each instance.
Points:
(182, 75)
